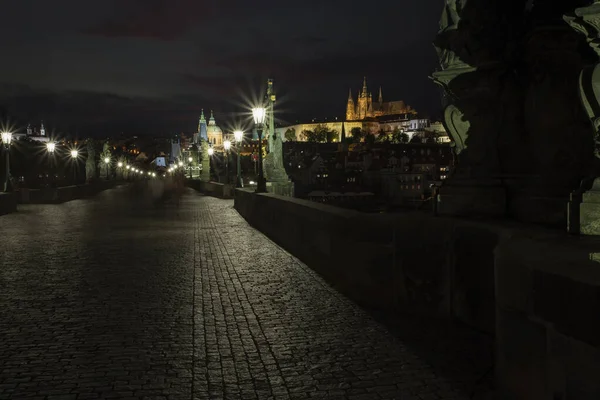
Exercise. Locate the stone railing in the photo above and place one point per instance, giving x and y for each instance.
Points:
(63, 193)
(221, 190)
(537, 291)
(8, 203)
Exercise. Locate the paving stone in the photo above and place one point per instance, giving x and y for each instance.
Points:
(113, 297)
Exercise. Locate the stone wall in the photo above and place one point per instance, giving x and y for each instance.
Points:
(435, 266)
(223, 191)
(537, 291)
(62, 194)
(548, 319)
(8, 203)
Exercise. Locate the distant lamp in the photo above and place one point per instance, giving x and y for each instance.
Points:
(190, 159)
(51, 146)
(74, 154)
(227, 145)
(239, 135)
(259, 114)
(211, 151)
(6, 138)
(181, 163)
(128, 167)
(120, 165)
(106, 160)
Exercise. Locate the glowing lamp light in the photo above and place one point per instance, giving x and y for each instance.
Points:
(51, 146)
(6, 138)
(120, 164)
(251, 182)
(74, 154)
(181, 163)
(190, 159)
(239, 135)
(227, 145)
(106, 160)
(211, 151)
(259, 115)
(128, 167)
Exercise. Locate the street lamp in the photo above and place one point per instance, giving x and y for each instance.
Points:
(259, 120)
(211, 151)
(74, 155)
(190, 159)
(50, 146)
(227, 146)
(6, 139)
(106, 162)
(239, 136)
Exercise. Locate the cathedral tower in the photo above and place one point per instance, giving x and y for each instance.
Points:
(350, 108)
(362, 101)
(202, 133)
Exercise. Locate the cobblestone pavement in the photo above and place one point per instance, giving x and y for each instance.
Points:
(112, 297)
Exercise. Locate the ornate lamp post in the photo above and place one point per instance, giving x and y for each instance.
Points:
(74, 155)
(106, 162)
(227, 147)
(259, 120)
(6, 139)
(211, 151)
(239, 136)
(50, 146)
(190, 159)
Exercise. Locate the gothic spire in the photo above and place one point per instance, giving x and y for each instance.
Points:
(364, 89)
(350, 95)
(380, 96)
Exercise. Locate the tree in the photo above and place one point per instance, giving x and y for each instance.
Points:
(383, 137)
(323, 133)
(290, 135)
(315, 136)
(357, 134)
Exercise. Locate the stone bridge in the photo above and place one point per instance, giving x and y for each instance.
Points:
(117, 297)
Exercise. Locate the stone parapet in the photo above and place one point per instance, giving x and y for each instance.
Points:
(8, 203)
(548, 318)
(62, 194)
(537, 290)
(440, 267)
(215, 189)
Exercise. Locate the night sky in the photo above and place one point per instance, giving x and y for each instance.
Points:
(103, 67)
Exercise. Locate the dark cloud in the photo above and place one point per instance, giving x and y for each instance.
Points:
(100, 114)
(215, 54)
(154, 19)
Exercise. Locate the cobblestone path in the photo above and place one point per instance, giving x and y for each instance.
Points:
(114, 298)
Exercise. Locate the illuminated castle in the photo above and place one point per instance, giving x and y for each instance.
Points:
(364, 107)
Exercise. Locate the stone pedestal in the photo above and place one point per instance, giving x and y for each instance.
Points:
(583, 211)
(281, 188)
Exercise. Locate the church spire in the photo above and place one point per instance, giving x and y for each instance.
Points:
(350, 95)
(380, 96)
(364, 89)
(211, 121)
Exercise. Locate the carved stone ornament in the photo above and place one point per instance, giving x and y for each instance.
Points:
(586, 20)
(458, 127)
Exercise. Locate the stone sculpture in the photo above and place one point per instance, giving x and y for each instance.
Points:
(584, 205)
